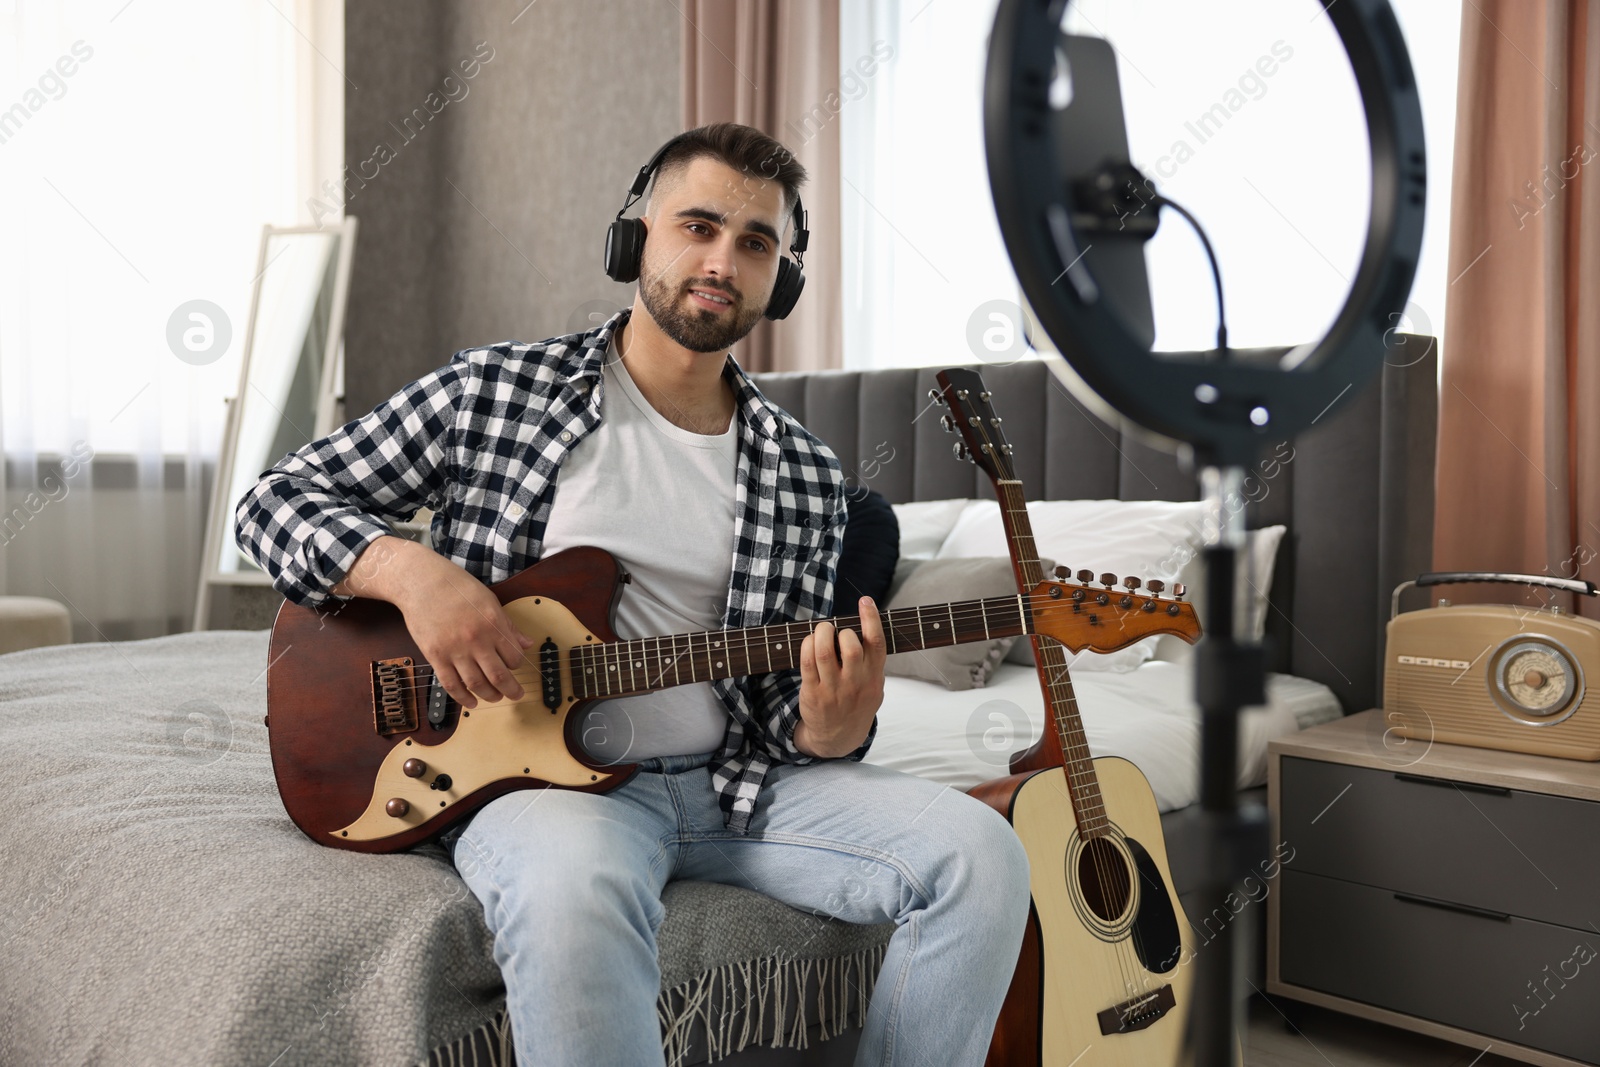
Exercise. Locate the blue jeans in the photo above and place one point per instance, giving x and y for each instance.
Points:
(571, 887)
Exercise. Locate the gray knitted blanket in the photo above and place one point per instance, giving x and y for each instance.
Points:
(163, 909)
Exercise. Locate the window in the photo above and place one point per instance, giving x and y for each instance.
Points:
(142, 147)
(1274, 165)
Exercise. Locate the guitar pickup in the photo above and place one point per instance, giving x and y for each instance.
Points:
(438, 705)
(1138, 1012)
(550, 674)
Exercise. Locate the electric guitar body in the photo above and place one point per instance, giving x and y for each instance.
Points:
(370, 756)
(1101, 978)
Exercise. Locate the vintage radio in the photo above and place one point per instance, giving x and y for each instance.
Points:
(1503, 676)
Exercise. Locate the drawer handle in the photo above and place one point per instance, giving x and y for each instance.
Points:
(1471, 787)
(1429, 902)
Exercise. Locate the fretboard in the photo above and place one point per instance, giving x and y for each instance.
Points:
(1061, 702)
(621, 668)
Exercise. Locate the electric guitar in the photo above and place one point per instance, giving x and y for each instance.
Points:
(1098, 980)
(371, 754)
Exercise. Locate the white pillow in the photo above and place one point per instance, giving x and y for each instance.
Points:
(1253, 586)
(924, 524)
(1148, 538)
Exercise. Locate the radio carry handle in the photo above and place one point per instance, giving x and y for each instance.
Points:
(1570, 585)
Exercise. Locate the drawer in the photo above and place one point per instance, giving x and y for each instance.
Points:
(1510, 979)
(1528, 854)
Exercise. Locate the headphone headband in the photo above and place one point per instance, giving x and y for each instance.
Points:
(641, 182)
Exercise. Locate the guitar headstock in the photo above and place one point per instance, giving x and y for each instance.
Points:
(1074, 610)
(971, 415)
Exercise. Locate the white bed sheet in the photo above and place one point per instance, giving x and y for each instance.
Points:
(1147, 716)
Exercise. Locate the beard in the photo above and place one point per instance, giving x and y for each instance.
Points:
(695, 328)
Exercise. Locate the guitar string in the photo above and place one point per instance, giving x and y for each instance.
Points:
(1053, 669)
(992, 612)
(1020, 528)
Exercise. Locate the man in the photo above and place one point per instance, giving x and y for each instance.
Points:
(644, 437)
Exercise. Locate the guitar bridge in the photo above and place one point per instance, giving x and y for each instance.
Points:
(394, 696)
(1138, 1012)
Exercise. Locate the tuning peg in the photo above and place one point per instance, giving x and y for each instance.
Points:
(1108, 580)
(948, 423)
(985, 395)
(1085, 576)
(935, 394)
(1131, 582)
(1008, 449)
(1063, 573)
(961, 394)
(996, 421)
(961, 451)
(1155, 585)
(1178, 590)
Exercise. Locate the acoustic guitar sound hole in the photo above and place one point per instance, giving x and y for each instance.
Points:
(1103, 874)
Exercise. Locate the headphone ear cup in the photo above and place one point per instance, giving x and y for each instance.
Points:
(624, 249)
(786, 290)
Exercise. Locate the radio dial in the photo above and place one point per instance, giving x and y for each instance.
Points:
(1534, 678)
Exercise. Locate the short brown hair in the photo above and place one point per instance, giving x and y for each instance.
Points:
(745, 149)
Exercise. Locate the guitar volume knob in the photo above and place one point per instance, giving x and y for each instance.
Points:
(414, 768)
(397, 808)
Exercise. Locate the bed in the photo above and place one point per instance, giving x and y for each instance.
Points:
(165, 910)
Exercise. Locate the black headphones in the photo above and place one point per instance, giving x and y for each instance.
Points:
(625, 244)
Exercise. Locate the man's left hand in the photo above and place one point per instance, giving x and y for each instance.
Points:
(841, 685)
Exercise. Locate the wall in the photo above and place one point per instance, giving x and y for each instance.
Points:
(485, 221)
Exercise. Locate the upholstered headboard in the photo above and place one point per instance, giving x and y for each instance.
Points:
(1356, 492)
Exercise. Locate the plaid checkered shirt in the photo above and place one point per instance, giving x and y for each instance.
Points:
(481, 441)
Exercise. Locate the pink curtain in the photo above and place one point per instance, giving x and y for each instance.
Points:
(769, 64)
(1519, 417)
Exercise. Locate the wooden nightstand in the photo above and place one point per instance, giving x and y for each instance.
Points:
(1448, 890)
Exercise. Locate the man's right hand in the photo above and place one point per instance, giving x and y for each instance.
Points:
(458, 624)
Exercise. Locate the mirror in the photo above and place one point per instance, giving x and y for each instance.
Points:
(290, 388)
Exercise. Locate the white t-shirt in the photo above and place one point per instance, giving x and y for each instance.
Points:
(661, 500)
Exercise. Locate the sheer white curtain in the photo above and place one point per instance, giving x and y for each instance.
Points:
(143, 145)
(1249, 117)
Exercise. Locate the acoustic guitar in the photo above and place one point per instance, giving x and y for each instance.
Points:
(1098, 980)
(371, 754)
